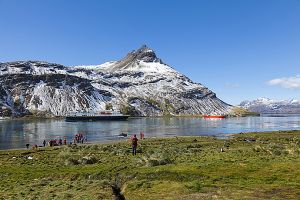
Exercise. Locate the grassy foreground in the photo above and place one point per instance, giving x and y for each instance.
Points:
(250, 166)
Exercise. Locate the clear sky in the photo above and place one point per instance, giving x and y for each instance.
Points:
(240, 49)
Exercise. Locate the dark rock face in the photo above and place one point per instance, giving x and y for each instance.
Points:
(140, 84)
(197, 94)
(135, 57)
(145, 54)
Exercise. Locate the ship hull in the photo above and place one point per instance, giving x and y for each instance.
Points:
(95, 118)
(214, 116)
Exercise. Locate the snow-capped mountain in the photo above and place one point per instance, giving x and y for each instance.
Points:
(139, 84)
(265, 105)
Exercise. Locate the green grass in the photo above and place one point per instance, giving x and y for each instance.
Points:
(252, 166)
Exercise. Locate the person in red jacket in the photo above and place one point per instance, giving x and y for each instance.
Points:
(134, 144)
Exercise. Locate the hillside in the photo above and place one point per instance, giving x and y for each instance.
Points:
(140, 84)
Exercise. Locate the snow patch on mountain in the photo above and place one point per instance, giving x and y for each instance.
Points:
(96, 67)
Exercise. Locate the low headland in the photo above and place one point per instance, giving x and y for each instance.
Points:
(263, 165)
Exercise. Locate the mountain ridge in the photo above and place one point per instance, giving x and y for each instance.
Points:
(267, 105)
(139, 84)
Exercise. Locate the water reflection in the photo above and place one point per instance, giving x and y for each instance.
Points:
(16, 133)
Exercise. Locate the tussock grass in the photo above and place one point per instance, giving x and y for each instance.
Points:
(251, 166)
(155, 159)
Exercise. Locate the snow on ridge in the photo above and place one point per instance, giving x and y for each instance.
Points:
(148, 50)
(267, 102)
(96, 67)
(264, 105)
(31, 67)
(151, 67)
(89, 67)
(264, 100)
(138, 66)
(295, 101)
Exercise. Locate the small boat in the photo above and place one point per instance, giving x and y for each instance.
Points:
(214, 116)
(107, 115)
(123, 135)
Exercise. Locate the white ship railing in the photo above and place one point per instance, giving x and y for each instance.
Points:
(101, 113)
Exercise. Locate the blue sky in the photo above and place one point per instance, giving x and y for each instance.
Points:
(240, 49)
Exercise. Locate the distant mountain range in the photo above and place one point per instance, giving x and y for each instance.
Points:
(265, 105)
(140, 84)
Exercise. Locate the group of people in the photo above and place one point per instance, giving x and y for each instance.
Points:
(51, 143)
(55, 142)
(79, 138)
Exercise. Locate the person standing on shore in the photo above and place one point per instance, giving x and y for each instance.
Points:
(142, 135)
(134, 144)
(44, 143)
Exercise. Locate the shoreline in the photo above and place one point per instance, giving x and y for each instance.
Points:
(107, 142)
(220, 136)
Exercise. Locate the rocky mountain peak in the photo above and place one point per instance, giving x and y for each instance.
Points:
(144, 53)
(141, 59)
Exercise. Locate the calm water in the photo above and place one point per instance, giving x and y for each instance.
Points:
(16, 133)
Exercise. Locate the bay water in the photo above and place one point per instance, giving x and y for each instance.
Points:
(17, 133)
